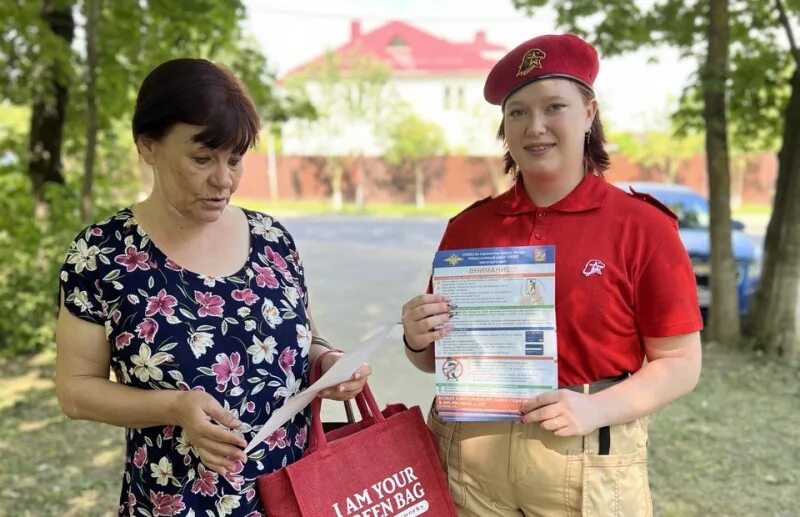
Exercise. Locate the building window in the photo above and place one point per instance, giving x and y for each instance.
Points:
(447, 100)
(461, 101)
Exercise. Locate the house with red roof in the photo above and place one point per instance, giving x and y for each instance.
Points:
(440, 80)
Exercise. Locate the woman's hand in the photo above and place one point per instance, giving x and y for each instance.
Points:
(563, 412)
(217, 446)
(348, 389)
(425, 320)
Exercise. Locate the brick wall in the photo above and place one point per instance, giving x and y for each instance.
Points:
(461, 179)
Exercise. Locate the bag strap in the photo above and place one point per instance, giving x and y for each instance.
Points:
(367, 407)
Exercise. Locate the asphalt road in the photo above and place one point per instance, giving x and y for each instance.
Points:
(360, 271)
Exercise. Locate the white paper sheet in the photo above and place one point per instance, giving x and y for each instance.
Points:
(340, 372)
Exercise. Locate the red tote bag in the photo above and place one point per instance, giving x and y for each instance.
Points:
(384, 464)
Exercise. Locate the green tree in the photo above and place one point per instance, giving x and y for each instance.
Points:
(663, 151)
(74, 97)
(350, 99)
(412, 139)
(50, 94)
(724, 323)
(772, 322)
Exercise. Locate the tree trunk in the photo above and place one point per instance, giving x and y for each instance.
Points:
(272, 164)
(48, 112)
(337, 172)
(724, 325)
(360, 174)
(669, 174)
(773, 319)
(419, 185)
(92, 19)
(498, 177)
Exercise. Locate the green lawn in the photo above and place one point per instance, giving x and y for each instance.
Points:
(749, 212)
(749, 209)
(730, 448)
(290, 208)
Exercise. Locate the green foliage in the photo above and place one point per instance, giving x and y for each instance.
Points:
(32, 252)
(34, 247)
(759, 61)
(663, 150)
(412, 138)
(342, 93)
(133, 37)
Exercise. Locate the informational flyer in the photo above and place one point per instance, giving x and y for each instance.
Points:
(502, 348)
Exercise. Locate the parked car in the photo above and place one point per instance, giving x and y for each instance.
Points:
(693, 224)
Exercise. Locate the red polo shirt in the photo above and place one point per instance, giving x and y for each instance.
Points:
(621, 271)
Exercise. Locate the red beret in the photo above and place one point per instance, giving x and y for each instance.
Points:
(553, 55)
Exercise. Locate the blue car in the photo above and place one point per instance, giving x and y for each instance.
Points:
(693, 223)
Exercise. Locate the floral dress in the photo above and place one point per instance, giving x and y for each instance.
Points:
(243, 338)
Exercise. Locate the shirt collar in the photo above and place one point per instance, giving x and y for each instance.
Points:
(588, 195)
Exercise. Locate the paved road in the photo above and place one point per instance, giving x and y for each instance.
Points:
(360, 272)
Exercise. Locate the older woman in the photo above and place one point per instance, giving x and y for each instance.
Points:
(625, 292)
(199, 307)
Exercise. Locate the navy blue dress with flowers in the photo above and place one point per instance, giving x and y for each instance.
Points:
(243, 338)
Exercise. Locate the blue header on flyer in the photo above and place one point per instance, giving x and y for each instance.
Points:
(495, 256)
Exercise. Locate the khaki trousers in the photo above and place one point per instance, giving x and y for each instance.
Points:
(511, 469)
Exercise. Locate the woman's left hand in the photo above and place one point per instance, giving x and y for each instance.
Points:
(348, 389)
(562, 412)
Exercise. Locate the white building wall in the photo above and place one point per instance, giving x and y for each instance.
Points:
(453, 102)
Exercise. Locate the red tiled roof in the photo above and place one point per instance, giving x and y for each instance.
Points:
(407, 49)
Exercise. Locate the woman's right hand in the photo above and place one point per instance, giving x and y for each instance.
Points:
(425, 319)
(217, 446)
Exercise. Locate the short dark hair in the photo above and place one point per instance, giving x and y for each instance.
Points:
(594, 154)
(200, 93)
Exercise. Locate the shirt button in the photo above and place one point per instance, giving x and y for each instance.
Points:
(541, 214)
(538, 236)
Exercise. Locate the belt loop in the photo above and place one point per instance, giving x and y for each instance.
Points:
(586, 436)
(604, 440)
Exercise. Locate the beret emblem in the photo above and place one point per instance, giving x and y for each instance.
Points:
(532, 59)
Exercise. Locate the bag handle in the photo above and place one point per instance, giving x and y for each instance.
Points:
(367, 406)
(316, 373)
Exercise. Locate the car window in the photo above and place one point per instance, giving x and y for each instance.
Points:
(692, 213)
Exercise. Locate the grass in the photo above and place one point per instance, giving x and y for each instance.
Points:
(290, 208)
(750, 209)
(731, 448)
(746, 211)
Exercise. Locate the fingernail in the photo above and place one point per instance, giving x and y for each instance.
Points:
(357, 376)
(237, 423)
(341, 389)
(452, 314)
(453, 305)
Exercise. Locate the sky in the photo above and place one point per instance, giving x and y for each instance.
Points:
(636, 92)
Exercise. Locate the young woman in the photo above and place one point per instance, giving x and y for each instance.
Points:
(627, 317)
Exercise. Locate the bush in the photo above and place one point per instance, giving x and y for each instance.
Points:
(33, 250)
(32, 253)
